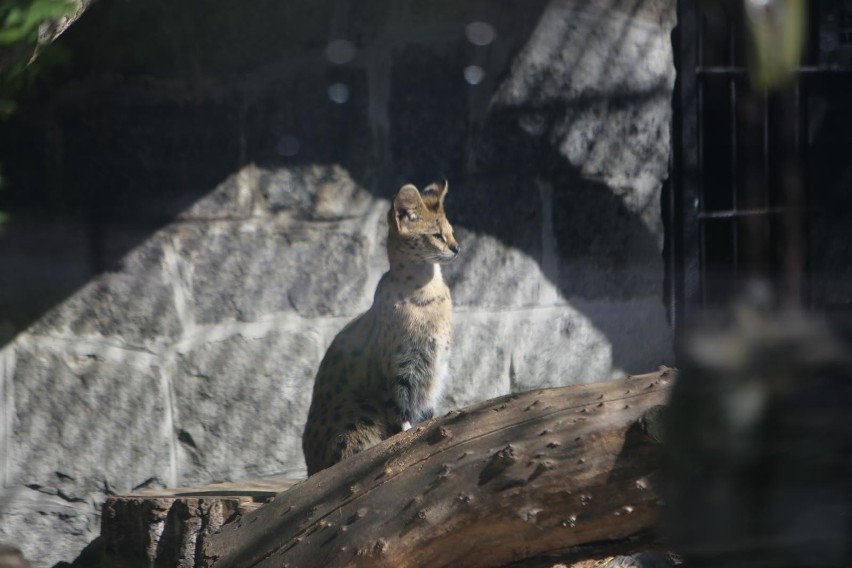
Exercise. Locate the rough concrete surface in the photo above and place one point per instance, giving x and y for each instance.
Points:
(196, 207)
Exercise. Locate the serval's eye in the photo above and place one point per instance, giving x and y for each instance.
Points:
(440, 237)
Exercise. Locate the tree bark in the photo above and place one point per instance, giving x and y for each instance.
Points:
(564, 473)
(166, 527)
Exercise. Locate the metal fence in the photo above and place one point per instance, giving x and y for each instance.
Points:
(761, 185)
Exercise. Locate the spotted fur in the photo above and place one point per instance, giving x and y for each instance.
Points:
(385, 370)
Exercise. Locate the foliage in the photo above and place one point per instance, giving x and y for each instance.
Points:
(20, 24)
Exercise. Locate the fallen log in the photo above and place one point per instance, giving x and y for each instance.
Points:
(554, 474)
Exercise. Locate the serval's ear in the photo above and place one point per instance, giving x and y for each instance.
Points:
(438, 190)
(407, 205)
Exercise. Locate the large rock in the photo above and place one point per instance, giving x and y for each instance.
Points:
(283, 269)
(595, 81)
(198, 209)
(42, 259)
(242, 401)
(498, 224)
(479, 363)
(83, 412)
(87, 420)
(47, 529)
(133, 302)
(322, 193)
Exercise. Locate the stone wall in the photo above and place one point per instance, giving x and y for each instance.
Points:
(196, 206)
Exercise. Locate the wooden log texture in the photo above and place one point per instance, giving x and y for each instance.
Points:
(555, 474)
(167, 527)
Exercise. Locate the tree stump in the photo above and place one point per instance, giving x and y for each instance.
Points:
(167, 527)
(548, 475)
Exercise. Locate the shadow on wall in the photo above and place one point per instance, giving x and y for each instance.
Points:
(198, 199)
(553, 145)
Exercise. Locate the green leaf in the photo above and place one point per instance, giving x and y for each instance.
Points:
(20, 21)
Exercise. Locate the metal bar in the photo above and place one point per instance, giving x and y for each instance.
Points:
(743, 71)
(734, 185)
(766, 154)
(765, 230)
(802, 195)
(797, 132)
(801, 149)
(740, 213)
(790, 191)
(688, 29)
(699, 202)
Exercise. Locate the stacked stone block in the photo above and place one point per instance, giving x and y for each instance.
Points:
(197, 206)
